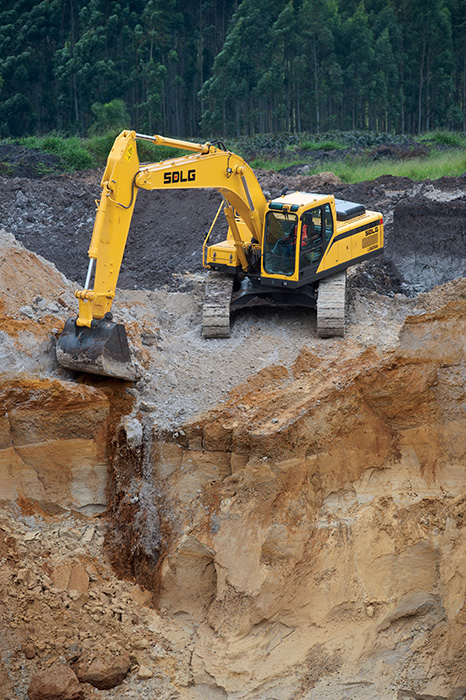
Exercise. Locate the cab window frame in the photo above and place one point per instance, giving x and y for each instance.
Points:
(279, 256)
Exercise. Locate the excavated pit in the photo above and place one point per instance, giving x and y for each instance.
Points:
(429, 241)
(268, 516)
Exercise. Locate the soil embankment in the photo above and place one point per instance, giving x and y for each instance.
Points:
(272, 515)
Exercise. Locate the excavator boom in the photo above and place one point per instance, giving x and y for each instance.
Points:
(93, 342)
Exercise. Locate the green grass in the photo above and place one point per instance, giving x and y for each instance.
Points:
(436, 165)
(78, 154)
(322, 146)
(72, 151)
(453, 139)
(264, 163)
(100, 147)
(447, 153)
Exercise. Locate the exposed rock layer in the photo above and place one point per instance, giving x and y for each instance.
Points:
(318, 524)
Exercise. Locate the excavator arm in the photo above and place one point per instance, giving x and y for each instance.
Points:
(111, 226)
(208, 167)
(88, 341)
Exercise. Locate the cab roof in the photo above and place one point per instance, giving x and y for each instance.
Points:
(297, 199)
(344, 210)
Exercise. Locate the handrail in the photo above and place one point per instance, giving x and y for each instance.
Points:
(204, 257)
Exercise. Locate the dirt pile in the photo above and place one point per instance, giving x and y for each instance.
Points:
(285, 514)
(54, 218)
(26, 162)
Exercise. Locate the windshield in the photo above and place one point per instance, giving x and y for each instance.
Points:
(280, 242)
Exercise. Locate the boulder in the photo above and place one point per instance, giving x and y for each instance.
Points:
(104, 671)
(59, 682)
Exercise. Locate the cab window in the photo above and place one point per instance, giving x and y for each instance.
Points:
(328, 223)
(280, 243)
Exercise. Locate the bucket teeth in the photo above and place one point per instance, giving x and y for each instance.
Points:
(100, 350)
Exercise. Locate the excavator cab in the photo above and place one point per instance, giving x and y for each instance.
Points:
(294, 246)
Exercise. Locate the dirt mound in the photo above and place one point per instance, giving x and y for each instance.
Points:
(26, 162)
(55, 217)
(405, 151)
(379, 276)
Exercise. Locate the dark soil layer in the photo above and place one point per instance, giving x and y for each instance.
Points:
(26, 162)
(425, 244)
(430, 244)
(54, 217)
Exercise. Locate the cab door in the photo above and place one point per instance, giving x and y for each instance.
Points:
(316, 232)
(280, 239)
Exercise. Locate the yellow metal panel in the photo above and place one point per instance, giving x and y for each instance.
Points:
(332, 256)
(223, 253)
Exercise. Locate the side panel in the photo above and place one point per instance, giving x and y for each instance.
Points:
(363, 237)
(367, 241)
(332, 255)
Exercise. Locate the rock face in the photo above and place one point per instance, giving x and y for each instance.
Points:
(53, 442)
(320, 538)
(53, 431)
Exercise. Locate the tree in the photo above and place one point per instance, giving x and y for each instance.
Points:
(236, 89)
(232, 67)
(358, 74)
(318, 23)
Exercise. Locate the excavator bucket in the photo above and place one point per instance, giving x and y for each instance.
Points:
(100, 350)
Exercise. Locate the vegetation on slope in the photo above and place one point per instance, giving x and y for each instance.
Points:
(353, 156)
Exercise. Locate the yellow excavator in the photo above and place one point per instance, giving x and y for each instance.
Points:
(293, 249)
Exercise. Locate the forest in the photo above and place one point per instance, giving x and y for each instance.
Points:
(231, 67)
